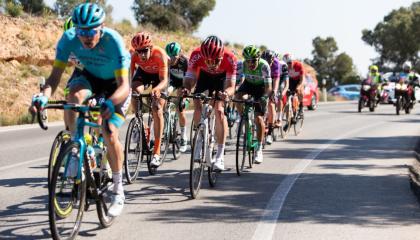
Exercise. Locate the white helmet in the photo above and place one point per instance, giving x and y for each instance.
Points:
(287, 57)
(407, 65)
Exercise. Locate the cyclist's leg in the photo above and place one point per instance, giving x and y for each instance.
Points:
(138, 85)
(182, 118)
(299, 92)
(79, 90)
(158, 123)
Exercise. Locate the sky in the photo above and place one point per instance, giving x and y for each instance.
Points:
(290, 26)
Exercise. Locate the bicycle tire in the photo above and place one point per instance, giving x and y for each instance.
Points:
(288, 119)
(211, 172)
(104, 200)
(131, 173)
(59, 141)
(241, 147)
(55, 212)
(298, 125)
(175, 138)
(197, 168)
(164, 142)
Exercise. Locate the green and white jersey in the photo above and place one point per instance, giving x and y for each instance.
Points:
(260, 76)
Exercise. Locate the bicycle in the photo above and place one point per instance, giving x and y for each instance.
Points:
(204, 141)
(231, 116)
(78, 177)
(139, 141)
(246, 142)
(291, 114)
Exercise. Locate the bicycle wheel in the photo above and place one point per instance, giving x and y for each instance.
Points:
(241, 147)
(197, 162)
(211, 172)
(298, 124)
(59, 141)
(133, 150)
(175, 138)
(67, 196)
(164, 142)
(103, 202)
(287, 119)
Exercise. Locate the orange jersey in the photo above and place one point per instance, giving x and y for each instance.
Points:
(157, 63)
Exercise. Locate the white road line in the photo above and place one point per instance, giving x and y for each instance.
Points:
(23, 163)
(267, 223)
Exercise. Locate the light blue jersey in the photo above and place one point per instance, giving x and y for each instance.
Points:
(107, 60)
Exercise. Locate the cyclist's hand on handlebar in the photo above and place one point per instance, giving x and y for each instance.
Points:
(155, 93)
(38, 101)
(107, 109)
(223, 95)
(184, 92)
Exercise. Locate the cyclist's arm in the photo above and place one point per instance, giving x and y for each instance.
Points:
(163, 72)
(123, 88)
(189, 81)
(53, 80)
(266, 74)
(276, 82)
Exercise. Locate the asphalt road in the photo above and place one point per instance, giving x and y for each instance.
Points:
(343, 177)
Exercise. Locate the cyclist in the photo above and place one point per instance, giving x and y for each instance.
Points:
(102, 52)
(149, 66)
(178, 65)
(212, 67)
(256, 83)
(275, 68)
(296, 73)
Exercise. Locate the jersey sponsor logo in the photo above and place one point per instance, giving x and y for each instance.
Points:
(194, 60)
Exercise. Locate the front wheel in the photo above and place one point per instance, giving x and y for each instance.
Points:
(67, 198)
(372, 105)
(360, 105)
(197, 162)
(241, 147)
(299, 124)
(398, 105)
(133, 150)
(176, 139)
(60, 140)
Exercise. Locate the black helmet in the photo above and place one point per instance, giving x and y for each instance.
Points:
(268, 55)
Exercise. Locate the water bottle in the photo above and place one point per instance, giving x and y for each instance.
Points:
(73, 163)
(91, 156)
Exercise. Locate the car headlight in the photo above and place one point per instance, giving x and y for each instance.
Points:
(366, 87)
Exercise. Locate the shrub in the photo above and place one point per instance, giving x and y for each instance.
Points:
(14, 9)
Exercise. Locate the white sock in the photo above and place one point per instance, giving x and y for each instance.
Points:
(117, 179)
(260, 144)
(183, 132)
(220, 151)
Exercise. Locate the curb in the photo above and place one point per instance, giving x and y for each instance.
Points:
(414, 172)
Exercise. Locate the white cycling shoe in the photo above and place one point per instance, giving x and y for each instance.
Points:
(219, 164)
(156, 161)
(259, 157)
(117, 205)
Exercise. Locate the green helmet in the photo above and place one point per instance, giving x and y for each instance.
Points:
(173, 49)
(251, 52)
(68, 24)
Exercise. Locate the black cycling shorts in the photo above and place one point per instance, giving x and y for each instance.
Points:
(256, 91)
(211, 82)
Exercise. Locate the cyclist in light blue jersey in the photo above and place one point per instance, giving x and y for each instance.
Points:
(106, 61)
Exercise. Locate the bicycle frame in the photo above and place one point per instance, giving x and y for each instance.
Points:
(251, 143)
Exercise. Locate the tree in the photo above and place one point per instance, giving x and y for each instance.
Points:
(172, 15)
(33, 6)
(328, 64)
(397, 37)
(64, 8)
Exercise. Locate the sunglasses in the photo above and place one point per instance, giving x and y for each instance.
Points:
(143, 50)
(213, 62)
(91, 32)
(252, 60)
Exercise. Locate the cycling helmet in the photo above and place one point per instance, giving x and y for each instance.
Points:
(374, 68)
(88, 15)
(173, 49)
(268, 55)
(251, 52)
(287, 57)
(141, 40)
(68, 24)
(407, 65)
(212, 47)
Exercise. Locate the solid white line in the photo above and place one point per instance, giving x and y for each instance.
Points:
(24, 163)
(267, 223)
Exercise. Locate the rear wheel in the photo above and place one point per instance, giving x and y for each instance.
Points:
(299, 124)
(197, 162)
(287, 119)
(67, 196)
(241, 147)
(398, 105)
(133, 150)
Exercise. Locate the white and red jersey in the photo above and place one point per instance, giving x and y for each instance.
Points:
(197, 64)
(296, 71)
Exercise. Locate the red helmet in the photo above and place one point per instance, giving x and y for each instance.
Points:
(212, 48)
(141, 40)
(287, 57)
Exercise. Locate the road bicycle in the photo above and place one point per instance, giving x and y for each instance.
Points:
(79, 177)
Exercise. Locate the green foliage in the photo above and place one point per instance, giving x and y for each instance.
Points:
(172, 15)
(124, 27)
(328, 64)
(263, 48)
(35, 7)
(14, 9)
(397, 37)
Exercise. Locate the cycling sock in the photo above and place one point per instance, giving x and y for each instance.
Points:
(259, 148)
(183, 132)
(220, 151)
(156, 149)
(117, 179)
(270, 129)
